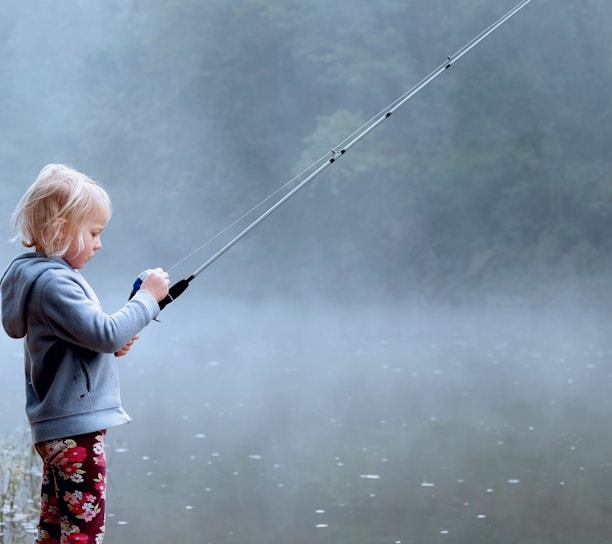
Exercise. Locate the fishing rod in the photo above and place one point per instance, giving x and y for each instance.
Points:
(330, 158)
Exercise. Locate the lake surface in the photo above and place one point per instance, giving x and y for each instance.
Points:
(280, 424)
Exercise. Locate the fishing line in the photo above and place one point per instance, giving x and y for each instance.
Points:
(326, 161)
(245, 215)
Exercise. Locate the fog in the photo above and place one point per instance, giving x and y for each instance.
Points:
(413, 349)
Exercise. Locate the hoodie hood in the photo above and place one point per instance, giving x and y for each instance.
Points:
(16, 284)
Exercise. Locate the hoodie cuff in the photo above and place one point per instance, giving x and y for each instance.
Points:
(147, 300)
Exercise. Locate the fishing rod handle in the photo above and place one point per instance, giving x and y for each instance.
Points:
(173, 293)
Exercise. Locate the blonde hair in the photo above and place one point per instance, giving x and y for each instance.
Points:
(53, 211)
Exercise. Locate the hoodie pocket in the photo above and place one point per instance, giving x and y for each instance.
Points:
(86, 376)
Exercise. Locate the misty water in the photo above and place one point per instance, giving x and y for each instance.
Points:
(281, 422)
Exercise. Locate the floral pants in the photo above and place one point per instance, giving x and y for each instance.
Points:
(73, 493)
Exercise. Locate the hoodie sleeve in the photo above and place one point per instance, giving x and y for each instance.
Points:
(71, 314)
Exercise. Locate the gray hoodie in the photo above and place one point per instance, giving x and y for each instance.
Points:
(72, 384)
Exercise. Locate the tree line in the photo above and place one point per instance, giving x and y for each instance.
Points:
(496, 175)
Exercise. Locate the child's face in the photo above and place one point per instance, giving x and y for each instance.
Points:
(77, 257)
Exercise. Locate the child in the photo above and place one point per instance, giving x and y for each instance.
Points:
(72, 387)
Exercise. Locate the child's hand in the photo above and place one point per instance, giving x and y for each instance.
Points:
(127, 347)
(156, 283)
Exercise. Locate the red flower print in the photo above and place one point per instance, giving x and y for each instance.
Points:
(44, 538)
(73, 498)
(72, 471)
(75, 480)
(76, 454)
(89, 512)
(76, 538)
(100, 461)
(82, 505)
(49, 509)
(100, 485)
(88, 497)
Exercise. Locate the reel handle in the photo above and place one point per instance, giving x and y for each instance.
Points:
(173, 293)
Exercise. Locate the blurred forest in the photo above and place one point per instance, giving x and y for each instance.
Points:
(494, 179)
